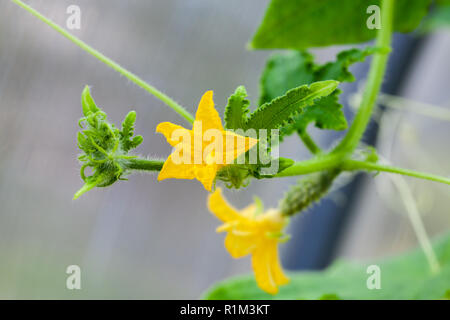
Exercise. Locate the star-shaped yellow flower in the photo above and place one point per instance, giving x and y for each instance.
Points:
(255, 234)
(201, 152)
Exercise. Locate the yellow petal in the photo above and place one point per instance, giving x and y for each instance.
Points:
(239, 245)
(220, 207)
(207, 114)
(227, 226)
(275, 266)
(174, 170)
(261, 265)
(266, 265)
(235, 145)
(172, 132)
(206, 174)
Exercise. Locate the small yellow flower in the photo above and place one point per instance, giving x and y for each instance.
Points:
(195, 159)
(255, 234)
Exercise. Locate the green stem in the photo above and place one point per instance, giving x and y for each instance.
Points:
(129, 75)
(144, 164)
(354, 165)
(330, 161)
(309, 142)
(312, 165)
(375, 78)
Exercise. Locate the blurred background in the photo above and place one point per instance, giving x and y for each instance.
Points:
(144, 239)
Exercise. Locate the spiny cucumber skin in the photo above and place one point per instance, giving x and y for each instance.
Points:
(307, 191)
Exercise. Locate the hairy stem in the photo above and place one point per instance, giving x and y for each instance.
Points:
(318, 163)
(330, 161)
(375, 78)
(144, 164)
(353, 165)
(110, 63)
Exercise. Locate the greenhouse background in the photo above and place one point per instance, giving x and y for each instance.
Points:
(148, 239)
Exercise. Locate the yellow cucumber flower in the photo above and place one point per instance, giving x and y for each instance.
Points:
(192, 157)
(255, 233)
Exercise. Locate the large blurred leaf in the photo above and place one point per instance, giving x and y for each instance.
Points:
(406, 276)
(300, 24)
(438, 19)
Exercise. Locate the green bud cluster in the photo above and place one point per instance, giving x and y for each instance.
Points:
(105, 148)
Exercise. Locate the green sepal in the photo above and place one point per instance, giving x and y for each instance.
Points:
(237, 109)
(235, 176)
(87, 102)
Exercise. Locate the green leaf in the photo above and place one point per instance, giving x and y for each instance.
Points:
(338, 69)
(301, 24)
(237, 109)
(326, 113)
(329, 296)
(87, 102)
(406, 276)
(289, 70)
(279, 111)
(126, 135)
(438, 19)
(285, 71)
(446, 295)
(443, 2)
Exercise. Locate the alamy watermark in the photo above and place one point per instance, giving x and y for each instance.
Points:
(74, 19)
(374, 20)
(73, 281)
(374, 280)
